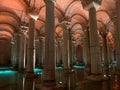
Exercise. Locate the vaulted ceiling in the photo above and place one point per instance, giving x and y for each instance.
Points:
(14, 13)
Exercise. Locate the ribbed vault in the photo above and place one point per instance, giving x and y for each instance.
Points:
(17, 14)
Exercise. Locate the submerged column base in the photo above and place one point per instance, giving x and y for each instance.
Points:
(30, 75)
(97, 77)
(88, 69)
(68, 70)
(43, 86)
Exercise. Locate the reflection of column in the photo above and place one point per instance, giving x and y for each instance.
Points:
(94, 43)
(28, 84)
(31, 47)
(87, 51)
(117, 34)
(22, 58)
(69, 80)
(15, 51)
(41, 51)
(49, 63)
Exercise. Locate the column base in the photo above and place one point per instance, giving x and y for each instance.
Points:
(40, 66)
(50, 87)
(21, 70)
(30, 75)
(106, 67)
(15, 67)
(68, 70)
(117, 72)
(88, 70)
(98, 77)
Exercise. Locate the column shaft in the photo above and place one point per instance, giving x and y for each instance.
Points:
(58, 54)
(70, 48)
(94, 43)
(106, 63)
(66, 62)
(117, 33)
(31, 47)
(49, 63)
(15, 51)
(74, 52)
(41, 51)
(22, 58)
(86, 51)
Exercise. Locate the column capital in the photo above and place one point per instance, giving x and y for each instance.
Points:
(65, 25)
(23, 29)
(47, 1)
(73, 42)
(87, 4)
(41, 37)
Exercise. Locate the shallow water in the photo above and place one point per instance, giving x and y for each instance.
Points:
(75, 80)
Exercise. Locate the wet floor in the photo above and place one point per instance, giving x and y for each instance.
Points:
(75, 80)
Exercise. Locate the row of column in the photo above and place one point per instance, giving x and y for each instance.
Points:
(18, 56)
(22, 47)
(92, 52)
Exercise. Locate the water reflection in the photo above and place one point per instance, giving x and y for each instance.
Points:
(75, 80)
(89, 85)
(29, 84)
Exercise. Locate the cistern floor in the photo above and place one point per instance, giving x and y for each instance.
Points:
(75, 80)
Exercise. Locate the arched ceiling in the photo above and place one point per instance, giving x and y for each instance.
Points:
(64, 10)
(16, 13)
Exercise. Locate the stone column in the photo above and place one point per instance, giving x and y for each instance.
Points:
(22, 58)
(94, 45)
(41, 51)
(106, 63)
(70, 47)
(86, 52)
(101, 51)
(49, 74)
(15, 51)
(31, 48)
(105, 50)
(117, 34)
(58, 53)
(66, 62)
(110, 53)
(74, 52)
